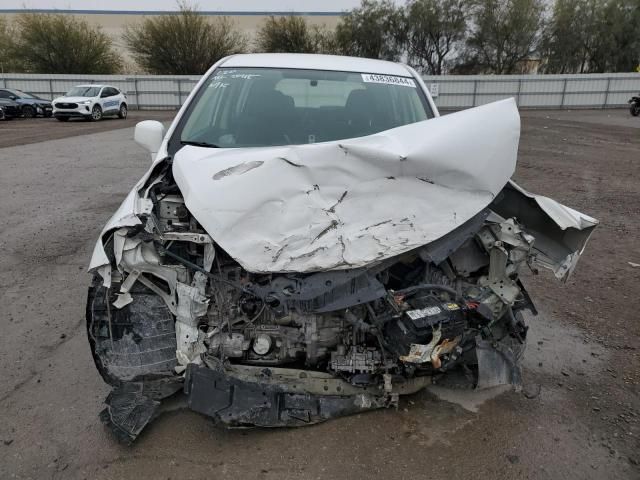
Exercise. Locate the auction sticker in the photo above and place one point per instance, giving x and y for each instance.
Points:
(388, 79)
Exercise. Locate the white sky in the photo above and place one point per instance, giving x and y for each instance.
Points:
(168, 5)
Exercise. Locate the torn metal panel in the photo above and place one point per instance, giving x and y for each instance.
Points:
(561, 233)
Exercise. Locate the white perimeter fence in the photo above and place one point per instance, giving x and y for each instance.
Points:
(599, 90)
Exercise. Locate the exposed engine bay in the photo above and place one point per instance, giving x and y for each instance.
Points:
(174, 312)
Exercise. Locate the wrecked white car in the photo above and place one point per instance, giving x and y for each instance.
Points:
(313, 240)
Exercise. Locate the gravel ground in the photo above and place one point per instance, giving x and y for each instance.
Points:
(583, 353)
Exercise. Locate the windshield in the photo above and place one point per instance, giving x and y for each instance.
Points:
(83, 92)
(256, 107)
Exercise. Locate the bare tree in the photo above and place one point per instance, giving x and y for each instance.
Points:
(9, 61)
(184, 43)
(285, 34)
(433, 29)
(54, 43)
(505, 33)
(374, 30)
(324, 40)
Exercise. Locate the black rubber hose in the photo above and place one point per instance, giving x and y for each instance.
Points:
(198, 268)
(429, 286)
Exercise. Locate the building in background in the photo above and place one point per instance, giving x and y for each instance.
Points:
(113, 15)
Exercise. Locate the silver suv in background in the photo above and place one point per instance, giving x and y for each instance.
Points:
(91, 102)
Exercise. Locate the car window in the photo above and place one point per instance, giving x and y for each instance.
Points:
(86, 91)
(21, 94)
(5, 94)
(262, 106)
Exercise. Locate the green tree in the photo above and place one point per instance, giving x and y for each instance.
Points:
(505, 33)
(54, 43)
(374, 30)
(184, 43)
(592, 36)
(432, 31)
(563, 38)
(617, 46)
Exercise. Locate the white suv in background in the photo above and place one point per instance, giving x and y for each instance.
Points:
(91, 102)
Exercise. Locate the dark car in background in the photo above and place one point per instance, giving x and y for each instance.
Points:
(9, 109)
(30, 105)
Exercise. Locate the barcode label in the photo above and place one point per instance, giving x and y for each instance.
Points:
(423, 312)
(388, 79)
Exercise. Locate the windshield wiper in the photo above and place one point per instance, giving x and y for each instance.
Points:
(199, 144)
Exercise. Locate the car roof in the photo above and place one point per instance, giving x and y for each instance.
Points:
(307, 61)
(99, 85)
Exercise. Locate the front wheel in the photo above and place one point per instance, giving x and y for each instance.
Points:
(122, 113)
(28, 111)
(96, 113)
(634, 109)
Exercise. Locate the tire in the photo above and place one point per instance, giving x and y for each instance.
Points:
(48, 115)
(28, 111)
(122, 113)
(62, 119)
(634, 109)
(96, 113)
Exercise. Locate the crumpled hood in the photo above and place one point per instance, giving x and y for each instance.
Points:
(348, 203)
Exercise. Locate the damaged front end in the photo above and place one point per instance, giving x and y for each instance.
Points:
(334, 296)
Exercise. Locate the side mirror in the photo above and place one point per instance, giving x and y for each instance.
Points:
(149, 135)
(13, 97)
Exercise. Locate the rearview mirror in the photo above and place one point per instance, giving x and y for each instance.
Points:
(149, 135)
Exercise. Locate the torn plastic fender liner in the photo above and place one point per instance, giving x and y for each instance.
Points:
(133, 342)
(134, 350)
(498, 364)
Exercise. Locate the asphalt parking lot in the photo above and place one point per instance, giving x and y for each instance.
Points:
(22, 131)
(578, 416)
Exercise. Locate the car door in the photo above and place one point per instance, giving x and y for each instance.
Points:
(110, 100)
